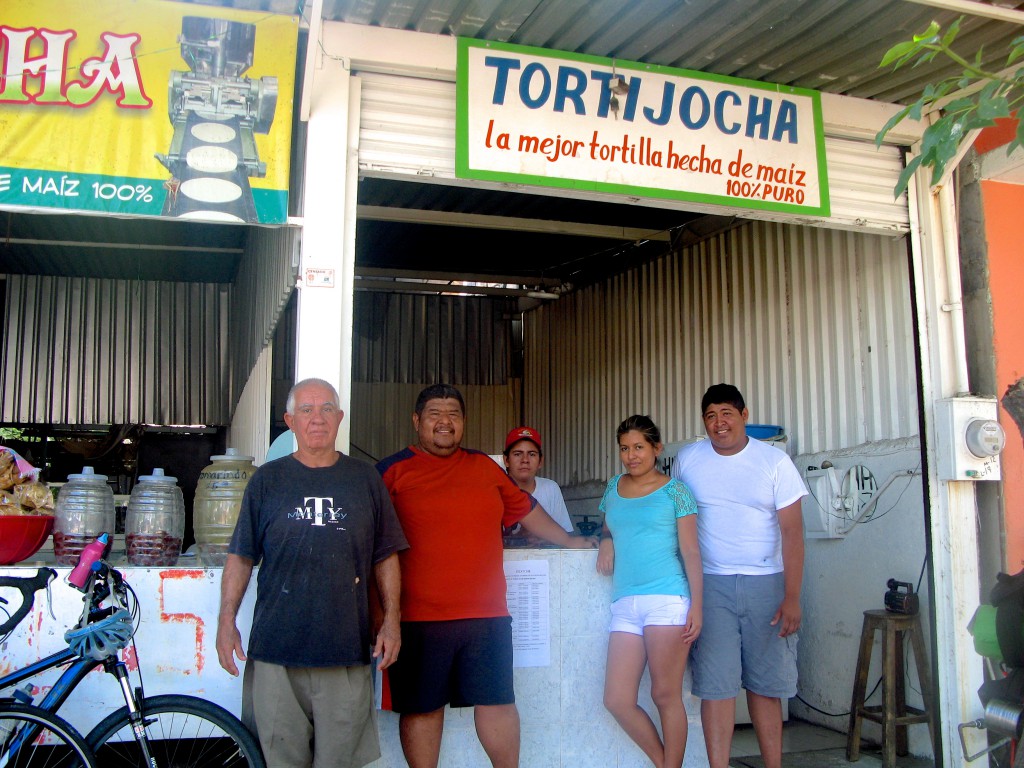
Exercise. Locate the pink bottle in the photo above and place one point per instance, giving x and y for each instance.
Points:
(92, 553)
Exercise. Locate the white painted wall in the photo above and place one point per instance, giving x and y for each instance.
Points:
(845, 577)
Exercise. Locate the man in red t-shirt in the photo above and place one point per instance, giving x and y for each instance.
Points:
(456, 629)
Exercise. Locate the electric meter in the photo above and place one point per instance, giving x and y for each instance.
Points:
(968, 438)
(985, 438)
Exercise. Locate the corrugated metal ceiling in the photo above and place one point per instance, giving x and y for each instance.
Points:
(827, 45)
(100, 246)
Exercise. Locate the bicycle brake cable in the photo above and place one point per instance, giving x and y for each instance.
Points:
(49, 597)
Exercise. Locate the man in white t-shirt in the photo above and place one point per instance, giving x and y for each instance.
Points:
(750, 530)
(523, 459)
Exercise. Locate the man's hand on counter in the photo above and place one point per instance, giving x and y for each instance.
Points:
(582, 542)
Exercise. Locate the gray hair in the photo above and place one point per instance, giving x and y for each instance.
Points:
(290, 404)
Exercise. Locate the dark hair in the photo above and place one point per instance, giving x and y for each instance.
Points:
(643, 425)
(722, 393)
(439, 392)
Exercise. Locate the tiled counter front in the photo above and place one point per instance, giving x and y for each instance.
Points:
(564, 722)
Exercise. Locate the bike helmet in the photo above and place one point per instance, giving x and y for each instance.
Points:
(104, 638)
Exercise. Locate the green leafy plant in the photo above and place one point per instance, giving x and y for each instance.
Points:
(973, 99)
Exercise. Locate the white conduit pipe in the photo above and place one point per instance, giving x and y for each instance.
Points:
(954, 305)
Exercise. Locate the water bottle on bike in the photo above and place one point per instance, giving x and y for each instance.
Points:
(91, 554)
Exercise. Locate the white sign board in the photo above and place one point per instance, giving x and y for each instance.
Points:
(549, 118)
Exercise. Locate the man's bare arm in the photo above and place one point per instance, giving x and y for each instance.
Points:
(539, 523)
(791, 524)
(387, 574)
(233, 583)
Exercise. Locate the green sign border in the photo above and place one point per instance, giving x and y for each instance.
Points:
(463, 171)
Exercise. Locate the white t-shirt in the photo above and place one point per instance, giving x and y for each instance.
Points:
(738, 498)
(549, 495)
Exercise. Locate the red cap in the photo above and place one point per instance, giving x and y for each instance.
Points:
(522, 433)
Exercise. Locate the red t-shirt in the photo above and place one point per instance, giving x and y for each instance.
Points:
(452, 510)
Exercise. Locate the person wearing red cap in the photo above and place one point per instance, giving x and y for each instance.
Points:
(524, 457)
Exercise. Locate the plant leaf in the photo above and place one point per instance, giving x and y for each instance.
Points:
(905, 176)
(1016, 53)
(951, 33)
(929, 36)
(890, 123)
(899, 51)
(990, 109)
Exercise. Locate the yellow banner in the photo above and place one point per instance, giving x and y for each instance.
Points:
(146, 107)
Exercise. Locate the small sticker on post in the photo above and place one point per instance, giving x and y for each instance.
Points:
(319, 277)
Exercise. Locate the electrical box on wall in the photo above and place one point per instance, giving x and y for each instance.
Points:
(838, 499)
(826, 513)
(968, 438)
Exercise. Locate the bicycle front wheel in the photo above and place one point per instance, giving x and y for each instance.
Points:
(182, 732)
(32, 737)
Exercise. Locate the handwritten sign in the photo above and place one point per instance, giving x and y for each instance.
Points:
(550, 118)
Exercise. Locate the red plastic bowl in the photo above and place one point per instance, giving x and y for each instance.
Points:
(21, 536)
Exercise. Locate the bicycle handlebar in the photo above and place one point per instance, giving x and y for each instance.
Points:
(28, 586)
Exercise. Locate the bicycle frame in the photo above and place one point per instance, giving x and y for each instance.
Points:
(78, 668)
(71, 677)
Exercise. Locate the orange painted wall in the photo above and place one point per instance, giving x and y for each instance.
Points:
(1004, 204)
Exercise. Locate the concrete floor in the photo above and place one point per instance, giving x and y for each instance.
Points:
(810, 746)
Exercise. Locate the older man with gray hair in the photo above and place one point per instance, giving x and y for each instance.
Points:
(320, 525)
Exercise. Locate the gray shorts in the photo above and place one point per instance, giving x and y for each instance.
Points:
(313, 716)
(738, 647)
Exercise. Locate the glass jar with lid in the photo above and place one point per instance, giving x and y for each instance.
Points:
(84, 510)
(155, 522)
(218, 500)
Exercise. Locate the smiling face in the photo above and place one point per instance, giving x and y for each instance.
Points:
(316, 418)
(726, 428)
(523, 461)
(637, 454)
(439, 426)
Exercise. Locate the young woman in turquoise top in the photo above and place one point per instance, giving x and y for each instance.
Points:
(657, 588)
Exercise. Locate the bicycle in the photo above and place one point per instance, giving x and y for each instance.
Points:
(166, 731)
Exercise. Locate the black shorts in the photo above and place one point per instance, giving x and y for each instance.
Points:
(463, 663)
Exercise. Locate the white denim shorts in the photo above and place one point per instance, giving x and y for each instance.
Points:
(634, 612)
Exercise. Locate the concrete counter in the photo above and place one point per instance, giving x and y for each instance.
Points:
(563, 718)
(564, 722)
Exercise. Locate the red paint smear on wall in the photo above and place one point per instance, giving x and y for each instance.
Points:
(130, 658)
(185, 618)
(1003, 205)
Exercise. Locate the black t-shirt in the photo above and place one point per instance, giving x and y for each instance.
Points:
(316, 534)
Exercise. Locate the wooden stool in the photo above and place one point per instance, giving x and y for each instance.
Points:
(893, 714)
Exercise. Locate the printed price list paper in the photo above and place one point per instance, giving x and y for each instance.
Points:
(528, 588)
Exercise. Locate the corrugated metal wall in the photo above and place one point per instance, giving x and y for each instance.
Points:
(405, 342)
(402, 338)
(382, 417)
(265, 281)
(407, 126)
(95, 351)
(813, 325)
(90, 351)
(250, 426)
